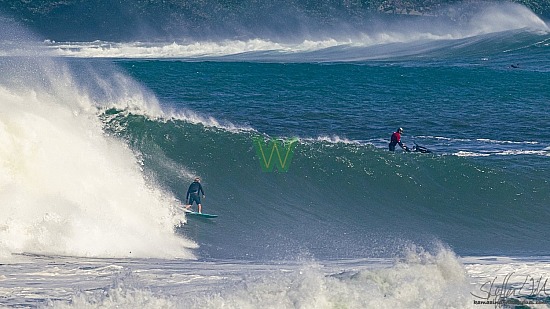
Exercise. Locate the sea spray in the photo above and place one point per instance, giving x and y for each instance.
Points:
(67, 188)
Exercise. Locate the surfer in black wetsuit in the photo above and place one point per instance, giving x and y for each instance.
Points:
(194, 194)
(421, 149)
(396, 140)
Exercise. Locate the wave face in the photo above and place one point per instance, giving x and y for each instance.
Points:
(338, 199)
(344, 194)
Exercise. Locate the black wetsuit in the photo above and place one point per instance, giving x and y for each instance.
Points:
(421, 149)
(194, 193)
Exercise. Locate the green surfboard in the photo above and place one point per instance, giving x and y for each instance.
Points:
(199, 214)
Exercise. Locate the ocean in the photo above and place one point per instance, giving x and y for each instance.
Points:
(288, 129)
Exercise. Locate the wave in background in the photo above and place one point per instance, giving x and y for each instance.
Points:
(493, 29)
(280, 21)
(384, 38)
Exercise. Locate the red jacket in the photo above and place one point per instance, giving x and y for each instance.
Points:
(395, 138)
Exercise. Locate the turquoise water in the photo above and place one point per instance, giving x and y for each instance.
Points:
(483, 119)
(101, 138)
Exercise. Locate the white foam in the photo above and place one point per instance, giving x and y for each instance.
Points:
(517, 152)
(487, 140)
(483, 140)
(67, 188)
(144, 50)
(420, 280)
(208, 121)
(471, 154)
(522, 279)
(417, 280)
(514, 152)
(334, 139)
(119, 297)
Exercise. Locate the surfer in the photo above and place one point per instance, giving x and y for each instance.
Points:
(194, 194)
(421, 149)
(396, 140)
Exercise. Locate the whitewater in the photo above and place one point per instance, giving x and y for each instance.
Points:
(100, 139)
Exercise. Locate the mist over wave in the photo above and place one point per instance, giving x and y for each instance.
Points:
(280, 21)
(381, 37)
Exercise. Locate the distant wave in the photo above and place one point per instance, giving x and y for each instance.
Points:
(285, 20)
(495, 29)
(315, 51)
